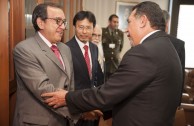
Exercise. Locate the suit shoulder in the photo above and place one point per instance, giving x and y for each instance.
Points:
(70, 42)
(25, 43)
(93, 45)
(175, 40)
(104, 29)
(62, 44)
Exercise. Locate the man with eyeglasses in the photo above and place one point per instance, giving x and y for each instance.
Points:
(87, 71)
(43, 64)
(97, 39)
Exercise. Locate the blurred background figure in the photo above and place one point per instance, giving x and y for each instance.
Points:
(167, 20)
(112, 42)
(178, 44)
(97, 39)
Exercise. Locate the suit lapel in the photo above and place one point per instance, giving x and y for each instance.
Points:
(93, 54)
(48, 52)
(79, 55)
(65, 59)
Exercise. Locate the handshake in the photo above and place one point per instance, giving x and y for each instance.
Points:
(57, 99)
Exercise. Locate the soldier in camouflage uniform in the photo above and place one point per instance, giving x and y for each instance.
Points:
(112, 41)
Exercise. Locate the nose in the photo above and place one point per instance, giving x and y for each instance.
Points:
(128, 34)
(84, 30)
(63, 26)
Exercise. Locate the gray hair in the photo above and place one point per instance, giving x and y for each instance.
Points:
(166, 15)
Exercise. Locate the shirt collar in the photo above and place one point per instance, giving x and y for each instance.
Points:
(46, 40)
(149, 34)
(81, 44)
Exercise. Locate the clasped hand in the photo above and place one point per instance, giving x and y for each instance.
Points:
(55, 99)
(92, 115)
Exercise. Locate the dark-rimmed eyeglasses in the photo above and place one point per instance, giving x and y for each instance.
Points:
(59, 21)
(87, 28)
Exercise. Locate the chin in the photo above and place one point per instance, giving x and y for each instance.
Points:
(59, 39)
(96, 43)
(84, 41)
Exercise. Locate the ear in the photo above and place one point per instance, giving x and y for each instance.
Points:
(143, 21)
(40, 23)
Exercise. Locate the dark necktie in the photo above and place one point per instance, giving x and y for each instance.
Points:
(87, 59)
(57, 53)
(112, 33)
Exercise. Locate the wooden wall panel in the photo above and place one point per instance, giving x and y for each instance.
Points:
(71, 7)
(17, 34)
(4, 64)
(71, 33)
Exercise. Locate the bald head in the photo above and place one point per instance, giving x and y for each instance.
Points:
(97, 35)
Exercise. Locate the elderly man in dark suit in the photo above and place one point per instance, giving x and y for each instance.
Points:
(112, 42)
(179, 46)
(144, 90)
(87, 72)
(43, 64)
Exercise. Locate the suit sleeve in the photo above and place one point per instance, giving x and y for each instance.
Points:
(182, 57)
(31, 73)
(125, 82)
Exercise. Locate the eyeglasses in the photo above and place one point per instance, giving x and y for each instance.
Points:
(87, 28)
(59, 21)
(96, 35)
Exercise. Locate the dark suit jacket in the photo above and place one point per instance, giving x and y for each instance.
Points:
(180, 48)
(82, 79)
(144, 89)
(111, 54)
(38, 71)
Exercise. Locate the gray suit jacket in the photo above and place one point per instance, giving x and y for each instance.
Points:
(38, 71)
(145, 89)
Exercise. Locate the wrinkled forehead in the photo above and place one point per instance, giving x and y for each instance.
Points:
(55, 12)
(97, 31)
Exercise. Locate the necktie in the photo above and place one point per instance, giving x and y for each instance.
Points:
(87, 59)
(112, 33)
(57, 53)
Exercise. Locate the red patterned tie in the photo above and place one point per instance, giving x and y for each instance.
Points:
(87, 59)
(57, 53)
